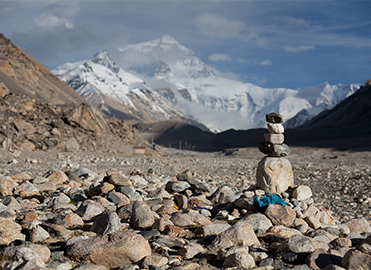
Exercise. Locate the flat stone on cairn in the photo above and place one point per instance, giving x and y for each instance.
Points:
(274, 172)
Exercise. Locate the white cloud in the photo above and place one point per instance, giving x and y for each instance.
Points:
(300, 48)
(298, 22)
(219, 57)
(264, 63)
(255, 62)
(49, 21)
(213, 25)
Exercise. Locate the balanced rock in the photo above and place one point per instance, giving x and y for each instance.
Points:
(274, 175)
(275, 128)
(274, 138)
(273, 118)
(275, 150)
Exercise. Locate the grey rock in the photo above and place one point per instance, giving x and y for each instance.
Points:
(274, 150)
(89, 209)
(106, 224)
(212, 229)
(176, 186)
(257, 221)
(142, 216)
(190, 250)
(223, 194)
(240, 259)
(181, 201)
(301, 244)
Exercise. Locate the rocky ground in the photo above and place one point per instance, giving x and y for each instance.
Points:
(84, 210)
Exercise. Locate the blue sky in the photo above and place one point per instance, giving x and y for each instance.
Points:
(287, 44)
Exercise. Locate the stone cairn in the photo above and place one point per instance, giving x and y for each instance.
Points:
(274, 173)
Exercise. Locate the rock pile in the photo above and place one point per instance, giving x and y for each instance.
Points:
(274, 173)
(82, 219)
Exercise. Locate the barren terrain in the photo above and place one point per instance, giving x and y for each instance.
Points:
(340, 180)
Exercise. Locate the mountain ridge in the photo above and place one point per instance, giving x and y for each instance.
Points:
(221, 103)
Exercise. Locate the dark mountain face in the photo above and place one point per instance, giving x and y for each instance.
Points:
(352, 113)
(22, 74)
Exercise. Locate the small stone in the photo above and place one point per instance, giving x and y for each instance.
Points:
(175, 231)
(274, 138)
(319, 259)
(359, 225)
(275, 128)
(274, 175)
(212, 229)
(38, 234)
(313, 222)
(6, 186)
(106, 224)
(341, 242)
(89, 209)
(273, 118)
(302, 193)
(302, 244)
(119, 180)
(274, 150)
(142, 216)
(176, 186)
(257, 221)
(73, 220)
(280, 214)
(240, 259)
(9, 231)
(190, 250)
(181, 201)
(154, 260)
(356, 260)
(237, 235)
(284, 231)
(365, 248)
(57, 176)
(117, 198)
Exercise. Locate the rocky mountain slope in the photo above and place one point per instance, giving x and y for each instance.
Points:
(219, 103)
(22, 74)
(33, 125)
(118, 93)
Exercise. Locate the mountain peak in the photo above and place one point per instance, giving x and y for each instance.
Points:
(103, 58)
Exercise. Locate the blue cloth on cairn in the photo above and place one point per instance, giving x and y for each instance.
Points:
(266, 200)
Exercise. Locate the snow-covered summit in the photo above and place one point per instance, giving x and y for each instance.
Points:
(117, 92)
(215, 101)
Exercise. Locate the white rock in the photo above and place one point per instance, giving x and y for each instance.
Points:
(302, 193)
(274, 138)
(275, 128)
(274, 175)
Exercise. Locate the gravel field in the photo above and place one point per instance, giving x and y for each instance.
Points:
(340, 180)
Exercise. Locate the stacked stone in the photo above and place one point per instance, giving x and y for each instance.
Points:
(274, 173)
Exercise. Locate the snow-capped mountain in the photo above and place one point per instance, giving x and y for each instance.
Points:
(220, 103)
(102, 83)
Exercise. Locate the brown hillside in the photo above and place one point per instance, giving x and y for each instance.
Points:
(22, 74)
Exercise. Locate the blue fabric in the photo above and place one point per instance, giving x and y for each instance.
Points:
(266, 200)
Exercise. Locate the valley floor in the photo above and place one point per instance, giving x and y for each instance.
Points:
(340, 180)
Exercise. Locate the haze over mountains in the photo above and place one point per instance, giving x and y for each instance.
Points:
(217, 102)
